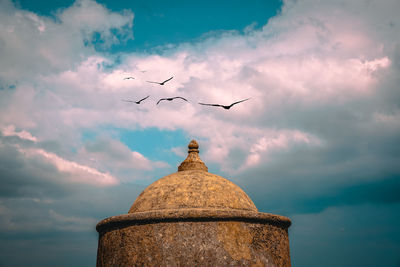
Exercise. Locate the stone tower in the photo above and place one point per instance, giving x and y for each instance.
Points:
(193, 218)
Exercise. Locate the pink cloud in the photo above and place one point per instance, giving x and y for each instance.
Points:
(77, 173)
(10, 131)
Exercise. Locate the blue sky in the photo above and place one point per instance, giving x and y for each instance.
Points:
(317, 141)
(159, 23)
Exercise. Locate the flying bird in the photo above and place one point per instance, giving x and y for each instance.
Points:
(223, 106)
(161, 83)
(171, 98)
(129, 78)
(137, 102)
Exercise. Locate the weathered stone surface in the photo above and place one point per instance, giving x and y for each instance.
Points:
(211, 243)
(193, 218)
(193, 161)
(192, 189)
(192, 215)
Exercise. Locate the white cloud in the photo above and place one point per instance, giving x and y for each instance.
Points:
(115, 155)
(10, 131)
(77, 173)
(275, 142)
(321, 128)
(33, 45)
(179, 151)
(303, 63)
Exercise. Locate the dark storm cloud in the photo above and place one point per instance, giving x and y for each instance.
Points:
(60, 230)
(54, 249)
(356, 235)
(45, 215)
(27, 177)
(357, 161)
(364, 169)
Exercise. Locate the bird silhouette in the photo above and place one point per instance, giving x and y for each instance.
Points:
(171, 98)
(137, 102)
(223, 106)
(129, 78)
(161, 83)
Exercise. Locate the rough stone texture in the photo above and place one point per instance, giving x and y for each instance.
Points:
(209, 243)
(193, 218)
(192, 189)
(192, 215)
(193, 161)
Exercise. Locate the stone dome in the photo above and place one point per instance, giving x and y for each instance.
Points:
(192, 187)
(193, 218)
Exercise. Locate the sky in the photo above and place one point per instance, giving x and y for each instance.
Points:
(318, 141)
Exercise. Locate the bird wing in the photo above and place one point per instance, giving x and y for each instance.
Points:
(214, 105)
(127, 100)
(160, 100)
(239, 102)
(153, 82)
(167, 80)
(181, 98)
(143, 99)
(127, 78)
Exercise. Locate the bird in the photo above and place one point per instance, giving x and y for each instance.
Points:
(171, 98)
(129, 78)
(161, 83)
(223, 106)
(137, 102)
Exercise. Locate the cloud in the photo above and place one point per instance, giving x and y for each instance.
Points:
(317, 141)
(10, 131)
(101, 162)
(71, 223)
(62, 225)
(29, 170)
(322, 118)
(179, 151)
(11, 221)
(112, 155)
(282, 141)
(367, 231)
(77, 172)
(31, 45)
(314, 83)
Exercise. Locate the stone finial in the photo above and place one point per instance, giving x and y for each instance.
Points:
(193, 161)
(193, 146)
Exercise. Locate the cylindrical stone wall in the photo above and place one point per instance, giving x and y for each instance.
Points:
(194, 239)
